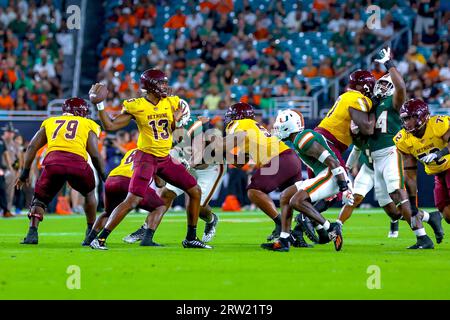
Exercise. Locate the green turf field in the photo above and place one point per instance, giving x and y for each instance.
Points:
(237, 268)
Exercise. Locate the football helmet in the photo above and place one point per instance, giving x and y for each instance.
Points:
(384, 87)
(155, 81)
(239, 111)
(288, 122)
(76, 106)
(414, 114)
(362, 81)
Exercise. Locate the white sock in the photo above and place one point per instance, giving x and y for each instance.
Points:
(326, 225)
(284, 235)
(426, 216)
(394, 221)
(145, 225)
(318, 227)
(420, 232)
(340, 222)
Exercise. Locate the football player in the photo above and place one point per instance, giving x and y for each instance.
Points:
(209, 178)
(69, 138)
(278, 166)
(330, 179)
(116, 190)
(354, 104)
(426, 139)
(157, 114)
(389, 96)
(363, 183)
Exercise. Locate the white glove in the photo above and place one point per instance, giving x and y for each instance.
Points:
(429, 158)
(385, 55)
(347, 197)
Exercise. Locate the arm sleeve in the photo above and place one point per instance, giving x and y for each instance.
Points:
(353, 157)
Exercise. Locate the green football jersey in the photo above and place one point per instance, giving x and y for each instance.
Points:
(303, 141)
(387, 126)
(364, 157)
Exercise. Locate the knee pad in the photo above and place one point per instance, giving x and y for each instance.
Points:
(33, 214)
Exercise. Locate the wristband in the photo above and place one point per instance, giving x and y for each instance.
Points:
(324, 156)
(389, 64)
(100, 106)
(24, 175)
(343, 186)
(337, 171)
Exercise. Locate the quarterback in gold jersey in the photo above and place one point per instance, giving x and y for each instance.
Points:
(426, 139)
(156, 114)
(278, 166)
(69, 138)
(116, 189)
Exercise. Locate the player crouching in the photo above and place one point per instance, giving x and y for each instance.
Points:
(70, 138)
(330, 179)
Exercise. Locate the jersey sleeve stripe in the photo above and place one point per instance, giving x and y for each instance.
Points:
(362, 105)
(305, 140)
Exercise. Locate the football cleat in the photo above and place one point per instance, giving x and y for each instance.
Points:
(335, 234)
(393, 232)
(323, 236)
(297, 240)
(435, 223)
(281, 245)
(31, 238)
(423, 242)
(195, 244)
(98, 245)
(306, 226)
(136, 236)
(275, 233)
(210, 229)
(149, 243)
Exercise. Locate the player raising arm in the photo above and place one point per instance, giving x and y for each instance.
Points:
(426, 139)
(330, 179)
(156, 114)
(70, 138)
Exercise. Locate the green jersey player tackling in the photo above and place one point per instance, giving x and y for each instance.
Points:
(330, 179)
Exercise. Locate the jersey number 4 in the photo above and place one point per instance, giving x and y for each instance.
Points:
(71, 129)
(382, 122)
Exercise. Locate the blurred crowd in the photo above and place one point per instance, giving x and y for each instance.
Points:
(33, 42)
(222, 51)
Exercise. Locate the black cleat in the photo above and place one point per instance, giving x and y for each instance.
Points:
(31, 238)
(435, 223)
(323, 236)
(281, 245)
(306, 227)
(195, 244)
(297, 240)
(89, 238)
(335, 234)
(136, 236)
(393, 231)
(275, 233)
(149, 243)
(423, 242)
